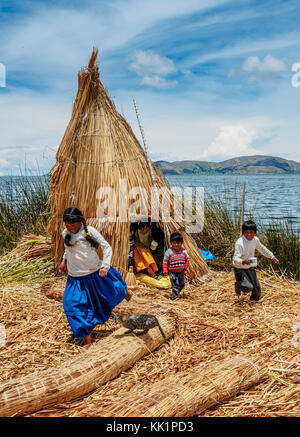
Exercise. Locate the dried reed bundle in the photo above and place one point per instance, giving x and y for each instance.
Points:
(187, 393)
(29, 247)
(99, 149)
(75, 378)
(30, 259)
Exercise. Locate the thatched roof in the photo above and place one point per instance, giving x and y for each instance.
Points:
(99, 149)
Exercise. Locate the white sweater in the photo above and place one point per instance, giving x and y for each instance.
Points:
(82, 258)
(246, 249)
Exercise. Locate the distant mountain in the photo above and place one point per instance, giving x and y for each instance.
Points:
(258, 164)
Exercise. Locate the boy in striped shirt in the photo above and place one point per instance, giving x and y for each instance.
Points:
(175, 263)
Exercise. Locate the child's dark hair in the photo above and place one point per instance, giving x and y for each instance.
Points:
(176, 236)
(142, 224)
(249, 225)
(74, 215)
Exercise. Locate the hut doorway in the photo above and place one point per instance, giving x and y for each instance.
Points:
(140, 245)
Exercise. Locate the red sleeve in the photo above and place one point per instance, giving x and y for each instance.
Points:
(165, 266)
(186, 263)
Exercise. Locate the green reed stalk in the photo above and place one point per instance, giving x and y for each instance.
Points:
(23, 208)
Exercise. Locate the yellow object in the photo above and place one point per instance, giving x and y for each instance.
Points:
(163, 282)
(154, 245)
(142, 258)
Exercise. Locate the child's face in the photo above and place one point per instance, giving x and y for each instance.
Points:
(144, 228)
(73, 227)
(176, 245)
(249, 234)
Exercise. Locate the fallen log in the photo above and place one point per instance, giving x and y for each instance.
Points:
(102, 362)
(187, 393)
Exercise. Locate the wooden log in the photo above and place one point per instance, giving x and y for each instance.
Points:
(102, 362)
(187, 393)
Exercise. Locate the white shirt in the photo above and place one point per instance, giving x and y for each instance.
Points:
(246, 248)
(82, 258)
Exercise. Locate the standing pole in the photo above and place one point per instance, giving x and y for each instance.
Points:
(243, 206)
(166, 230)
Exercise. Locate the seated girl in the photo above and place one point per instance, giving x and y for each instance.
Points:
(142, 255)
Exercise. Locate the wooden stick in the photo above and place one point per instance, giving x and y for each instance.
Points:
(243, 206)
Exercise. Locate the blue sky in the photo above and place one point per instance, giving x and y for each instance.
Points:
(212, 78)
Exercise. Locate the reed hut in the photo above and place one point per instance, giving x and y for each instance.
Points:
(102, 169)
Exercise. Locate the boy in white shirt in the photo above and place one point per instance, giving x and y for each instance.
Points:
(245, 275)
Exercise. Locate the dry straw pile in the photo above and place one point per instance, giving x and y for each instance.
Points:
(99, 149)
(29, 260)
(252, 346)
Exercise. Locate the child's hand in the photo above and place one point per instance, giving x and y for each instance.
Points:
(246, 261)
(103, 272)
(276, 261)
(166, 273)
(62, 267)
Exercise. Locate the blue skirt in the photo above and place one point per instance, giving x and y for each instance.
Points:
(89, 300)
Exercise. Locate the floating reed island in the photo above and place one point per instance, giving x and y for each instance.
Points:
(225, 356)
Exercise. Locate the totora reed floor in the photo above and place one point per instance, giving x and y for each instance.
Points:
(212, 324)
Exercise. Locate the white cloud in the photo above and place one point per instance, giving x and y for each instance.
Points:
(269, 64)
(153, 67)
(181, 132)
(147, 63)
(232, 140)
(251, 64)
(186, 126)
(158, 82)
(2, 75)
(187, 73)
(53, 39)
(246, 46)
(32, 126)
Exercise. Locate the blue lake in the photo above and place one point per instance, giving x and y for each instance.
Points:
(267, 197)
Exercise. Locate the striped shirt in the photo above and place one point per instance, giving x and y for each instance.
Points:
(175, 261)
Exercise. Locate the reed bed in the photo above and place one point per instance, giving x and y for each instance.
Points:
(284, 241)
(23, 208)
(222, 227)
(212, 325)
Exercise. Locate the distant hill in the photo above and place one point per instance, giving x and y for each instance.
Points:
(258, 164)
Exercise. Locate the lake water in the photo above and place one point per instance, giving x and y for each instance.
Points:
(267, 197)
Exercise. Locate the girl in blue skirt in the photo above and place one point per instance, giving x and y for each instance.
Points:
(93, 286)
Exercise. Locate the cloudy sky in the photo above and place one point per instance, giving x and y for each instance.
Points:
(213, 79)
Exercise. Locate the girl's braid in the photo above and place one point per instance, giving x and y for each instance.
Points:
(88, 237)
(67, 239)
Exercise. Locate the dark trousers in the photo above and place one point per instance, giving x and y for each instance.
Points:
(177, 281)
(246, 281)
